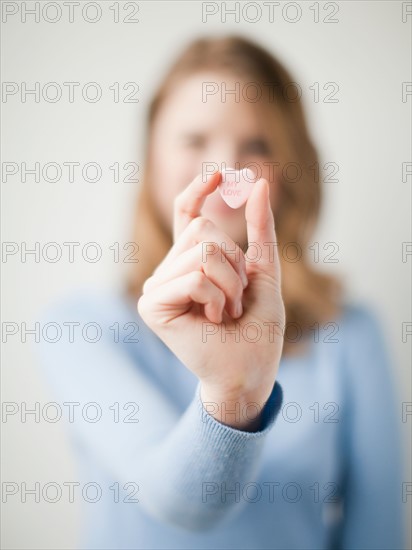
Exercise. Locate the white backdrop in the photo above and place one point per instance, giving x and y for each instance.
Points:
(367, 133)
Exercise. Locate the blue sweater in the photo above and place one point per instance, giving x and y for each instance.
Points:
(323, 472)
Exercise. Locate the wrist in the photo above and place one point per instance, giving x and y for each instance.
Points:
(240, 409)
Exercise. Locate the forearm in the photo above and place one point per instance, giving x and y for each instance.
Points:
(184, 475)
(169, 455)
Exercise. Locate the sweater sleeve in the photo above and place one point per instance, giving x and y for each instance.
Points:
(178, 461)
(373, 511)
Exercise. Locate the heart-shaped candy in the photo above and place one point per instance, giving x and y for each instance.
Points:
(236, 186)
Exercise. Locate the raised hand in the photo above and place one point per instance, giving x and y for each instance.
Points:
(220, 311)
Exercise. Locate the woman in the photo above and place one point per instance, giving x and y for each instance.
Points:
(245, 404)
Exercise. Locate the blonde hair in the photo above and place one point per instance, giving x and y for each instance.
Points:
(310, 296)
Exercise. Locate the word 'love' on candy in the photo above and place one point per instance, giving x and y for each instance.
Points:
(236, 186)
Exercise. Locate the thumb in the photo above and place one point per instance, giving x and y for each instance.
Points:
(261, 233)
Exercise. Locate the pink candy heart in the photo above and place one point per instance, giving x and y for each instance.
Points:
(236, 186)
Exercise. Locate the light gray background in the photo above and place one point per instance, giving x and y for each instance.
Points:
(367, 212)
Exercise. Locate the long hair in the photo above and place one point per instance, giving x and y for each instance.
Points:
(310, 297)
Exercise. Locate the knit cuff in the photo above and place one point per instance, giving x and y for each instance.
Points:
(267, 415)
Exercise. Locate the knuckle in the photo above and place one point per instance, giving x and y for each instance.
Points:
(201, 224)
(147, 284)
(197, 280)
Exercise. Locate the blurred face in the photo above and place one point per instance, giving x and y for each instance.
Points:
(189, 132)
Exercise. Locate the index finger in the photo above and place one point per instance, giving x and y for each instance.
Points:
(188, 203)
